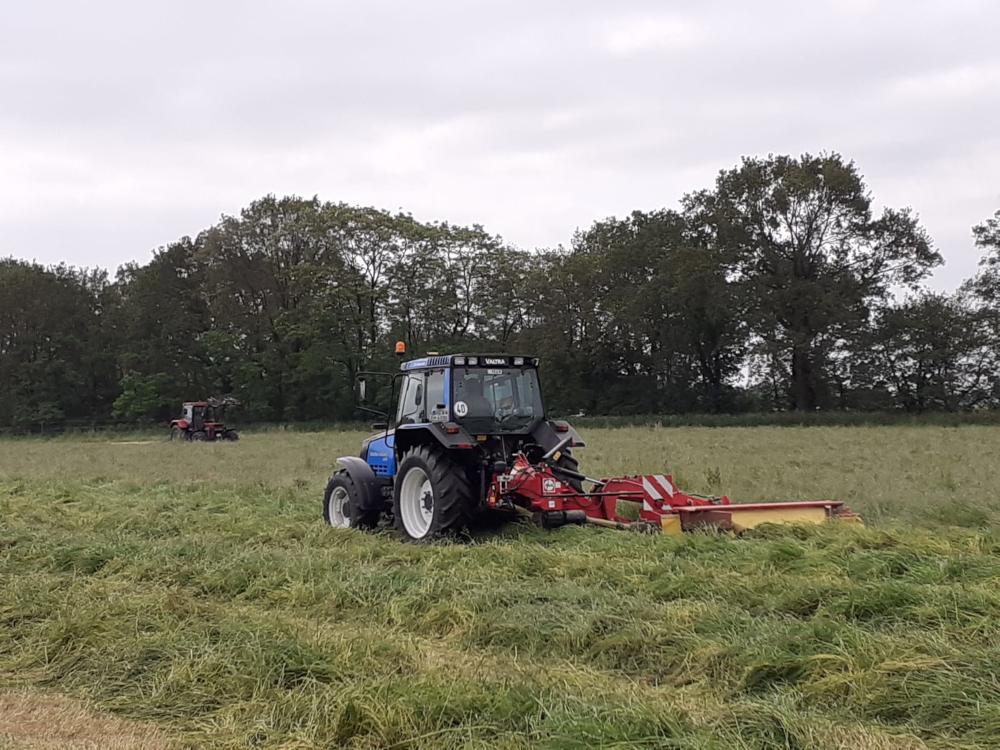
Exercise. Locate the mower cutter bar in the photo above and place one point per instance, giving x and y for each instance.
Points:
(760, 506)
(743, 516)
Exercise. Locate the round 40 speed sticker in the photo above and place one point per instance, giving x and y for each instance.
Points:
(461, 408)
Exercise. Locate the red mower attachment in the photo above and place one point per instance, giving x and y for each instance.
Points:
(648, 502)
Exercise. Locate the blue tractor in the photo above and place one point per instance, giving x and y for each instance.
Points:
(458, 422)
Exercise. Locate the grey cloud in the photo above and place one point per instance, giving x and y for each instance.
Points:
(123, 126)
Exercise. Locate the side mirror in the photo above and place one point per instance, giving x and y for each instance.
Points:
(362, 390)
(379, 426)
(419, 395)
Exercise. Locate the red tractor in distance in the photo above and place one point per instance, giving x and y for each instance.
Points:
(204, 421)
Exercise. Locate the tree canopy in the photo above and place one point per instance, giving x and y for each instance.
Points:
(777, 288)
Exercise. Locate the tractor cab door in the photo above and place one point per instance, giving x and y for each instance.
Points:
(197, 417)
(422, 398)
(411, 399)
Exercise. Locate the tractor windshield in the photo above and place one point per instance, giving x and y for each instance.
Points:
(505, 399)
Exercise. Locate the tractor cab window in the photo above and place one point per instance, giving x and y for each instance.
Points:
(411, 400)
(436, 410)
(501, 393)
(497, 400)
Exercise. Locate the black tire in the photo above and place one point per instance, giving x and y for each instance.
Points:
(199, 436)
(566, 461)
(452, 496)
(354, 517)
(231, 435)
(176, 433)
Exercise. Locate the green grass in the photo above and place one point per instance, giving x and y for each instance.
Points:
(195, 588)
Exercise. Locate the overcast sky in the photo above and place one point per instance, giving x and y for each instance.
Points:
(125, 125)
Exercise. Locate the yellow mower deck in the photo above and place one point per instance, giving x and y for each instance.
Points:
(740, 517)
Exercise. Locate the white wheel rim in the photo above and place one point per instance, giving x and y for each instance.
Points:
(416, 503)
(339, 517)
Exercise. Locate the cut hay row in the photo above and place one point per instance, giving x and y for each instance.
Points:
(217, 608)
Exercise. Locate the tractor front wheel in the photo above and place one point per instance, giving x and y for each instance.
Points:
(176, 433)
(342, 504)
(432, 495)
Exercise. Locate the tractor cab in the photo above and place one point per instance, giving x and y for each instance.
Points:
(194, 413)
(489, 403)
(484, 394)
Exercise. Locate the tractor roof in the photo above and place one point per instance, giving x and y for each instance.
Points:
(475, 360)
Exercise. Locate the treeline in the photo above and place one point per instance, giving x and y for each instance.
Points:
(779, 288)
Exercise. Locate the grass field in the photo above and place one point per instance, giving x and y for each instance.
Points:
(161, 595)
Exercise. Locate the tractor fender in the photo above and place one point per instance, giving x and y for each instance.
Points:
(548, 436)
(434, 433)
(364, 479)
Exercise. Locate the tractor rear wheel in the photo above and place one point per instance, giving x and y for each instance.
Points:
(231, 435)
(342, 504)
(432, 495)
(199, 436)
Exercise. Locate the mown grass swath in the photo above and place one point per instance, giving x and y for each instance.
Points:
(194, 590)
